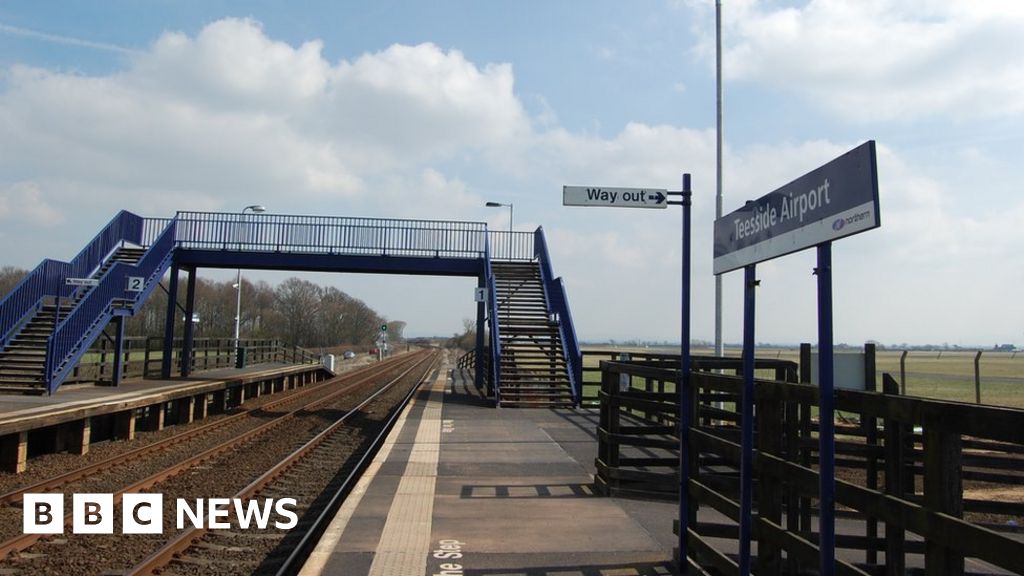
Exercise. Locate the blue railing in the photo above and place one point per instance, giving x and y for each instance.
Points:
(152, 229)
(75, 333)
(492, 311)
(154, 263)
(331, 235)
(558, 303)
(48, 279)
(511, 245)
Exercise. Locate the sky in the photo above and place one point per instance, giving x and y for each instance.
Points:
(430, 109)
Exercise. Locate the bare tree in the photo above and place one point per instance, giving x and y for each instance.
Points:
(298, 301)
(9, 278)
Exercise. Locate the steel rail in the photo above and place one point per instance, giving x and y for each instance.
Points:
(177, 546)
(24, 541)
(51, 484)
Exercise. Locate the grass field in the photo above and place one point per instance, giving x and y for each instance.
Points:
(943, 376)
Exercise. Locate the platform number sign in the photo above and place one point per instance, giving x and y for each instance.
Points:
(136, 283)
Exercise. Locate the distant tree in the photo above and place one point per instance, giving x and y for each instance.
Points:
(296, 311)
(298, 302)
(9, 278)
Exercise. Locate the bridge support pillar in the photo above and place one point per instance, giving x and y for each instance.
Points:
(190, 307)
(480, 360)
(118, 349)
(172, 309)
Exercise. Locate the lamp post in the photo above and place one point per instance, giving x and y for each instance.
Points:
(256, 209)
(509, 206)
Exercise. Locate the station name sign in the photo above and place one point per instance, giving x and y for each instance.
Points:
(833, 201)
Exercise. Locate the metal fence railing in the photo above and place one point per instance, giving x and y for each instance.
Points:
(512, 245)
(331, 235)
(558, 304)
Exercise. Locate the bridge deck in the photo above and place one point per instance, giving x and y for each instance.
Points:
(461, 488)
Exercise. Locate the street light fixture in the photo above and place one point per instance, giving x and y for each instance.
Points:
(509, 206)
(256, 209)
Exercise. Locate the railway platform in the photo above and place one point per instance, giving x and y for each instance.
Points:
(460, 488)
(78, 415)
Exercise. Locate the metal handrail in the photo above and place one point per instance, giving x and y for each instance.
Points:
(331, 235)
(558, 303)
(492, 297)
(512, 246)
(73, 335)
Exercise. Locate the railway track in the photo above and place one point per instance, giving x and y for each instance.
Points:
(319, 474)
(215, 467)
(265, 410)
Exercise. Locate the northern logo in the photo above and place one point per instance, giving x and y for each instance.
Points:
(838, 224)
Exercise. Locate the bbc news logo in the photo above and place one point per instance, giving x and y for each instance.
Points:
(143, 513)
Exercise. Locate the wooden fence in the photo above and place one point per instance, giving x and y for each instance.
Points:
(919, 483)
(143, 357)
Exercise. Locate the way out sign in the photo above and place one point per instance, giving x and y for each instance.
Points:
(833, 201)
(614, 197)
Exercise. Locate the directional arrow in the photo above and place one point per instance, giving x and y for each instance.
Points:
(614, 197)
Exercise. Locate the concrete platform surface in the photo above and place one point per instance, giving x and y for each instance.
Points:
(463, 488)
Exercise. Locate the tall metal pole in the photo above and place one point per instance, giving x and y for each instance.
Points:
(747, 411)
(510, 230)
(256, 209)
(718, 184)
(826, 421)
(238, 304)
(685, 396)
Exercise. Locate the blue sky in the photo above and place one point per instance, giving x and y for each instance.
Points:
(412, 109)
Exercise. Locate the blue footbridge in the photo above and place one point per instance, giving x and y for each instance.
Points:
(526, 352)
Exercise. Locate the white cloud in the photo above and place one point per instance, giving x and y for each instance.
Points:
(231, 117)
(232, 62)
(882, 60)
(25, 201)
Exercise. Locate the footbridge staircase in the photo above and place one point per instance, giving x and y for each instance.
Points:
(527, 353)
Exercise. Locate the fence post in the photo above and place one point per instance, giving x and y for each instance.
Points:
(870, 426)
(903, 373)
(895, 536)
(792, 410)
(145, 361)
(805, 433)
(101, 370)
(769, 487)
(977, 378)
(943, 492)
(607, 447)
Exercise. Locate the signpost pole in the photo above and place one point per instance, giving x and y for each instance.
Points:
(747, 433)
(826, 407)
(685, 396)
